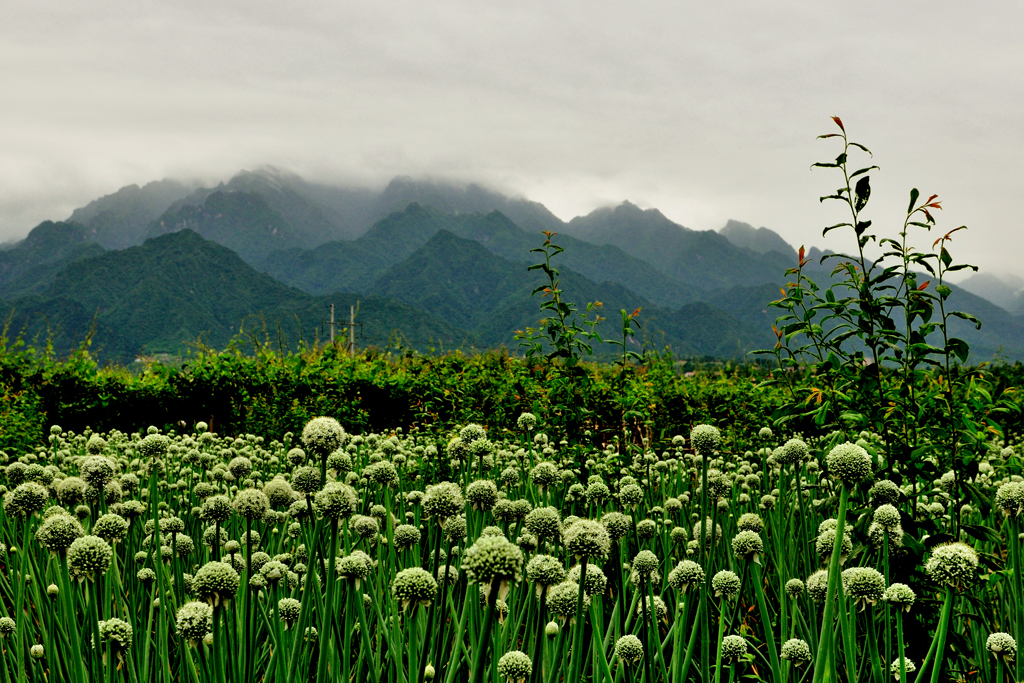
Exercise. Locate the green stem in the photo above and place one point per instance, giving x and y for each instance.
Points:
(327, 632)
(899, 645)
(943, 632)
(577, 642)
(645, 608)
(721, 635)
(677, 637)
(433, 609)
(766, 621)
(827, 628)
(538, 648)
(485, 635)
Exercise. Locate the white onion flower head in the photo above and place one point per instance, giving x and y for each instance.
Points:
(323, 436)
(587, 538)
(1002, 645)
(796, 651)
(747, 545)
(953, 565)
(865, 585)
(443, 500)
(88, 556)
(562, 598)
(817, 585)
(726, 584)
(515, 666)
(336, 501)
(849, 463)
(794, 451)
(216, 582)
(908, 665)
(705, 439)
(1010, 498)
(685, 575)
(493, 558)
(413, 585)
(900, 595)
(194, 621)
(887, 517)
(734, 648)
(750, 521)
(545, 571)
(794, 589)
(629, 649)
(595, 582)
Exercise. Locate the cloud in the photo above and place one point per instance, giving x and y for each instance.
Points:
(705, 110)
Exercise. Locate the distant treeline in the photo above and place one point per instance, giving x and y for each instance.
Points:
(267, 392)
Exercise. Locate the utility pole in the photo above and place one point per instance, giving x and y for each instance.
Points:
(351, 329)
(332, 324)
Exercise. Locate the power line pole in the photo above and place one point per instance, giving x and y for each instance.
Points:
(351, 330)
(332, 324)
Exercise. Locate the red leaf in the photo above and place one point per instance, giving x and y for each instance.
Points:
(635, 313)
(800, 255)
(924, 286)
(839, 123)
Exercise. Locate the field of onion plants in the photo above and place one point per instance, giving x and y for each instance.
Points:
(407, 557)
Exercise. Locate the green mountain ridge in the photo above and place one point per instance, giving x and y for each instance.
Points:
(440, 261)
(240, 221)
(177, 288)
(355, 265)
(701, 259)
(458, 279)
(31, 265)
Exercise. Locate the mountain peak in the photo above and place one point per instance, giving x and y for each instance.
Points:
(242, 221)
(55, 234)
(760, 240)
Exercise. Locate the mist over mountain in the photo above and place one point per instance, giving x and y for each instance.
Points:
(122, 219)
(1005, 291)
(759, 240)
(434, 264)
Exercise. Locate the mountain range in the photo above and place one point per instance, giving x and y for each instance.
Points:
(432, 266)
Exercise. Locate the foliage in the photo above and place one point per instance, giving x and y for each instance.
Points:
(877, 341)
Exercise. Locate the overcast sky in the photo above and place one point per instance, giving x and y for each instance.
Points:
(705, 110)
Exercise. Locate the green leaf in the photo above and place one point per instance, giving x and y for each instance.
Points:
(863, 191)
(863, 171)
(944, 291)
(982, 533)
(862, 147)
(914, 194)
(959, 348)
(968, 317)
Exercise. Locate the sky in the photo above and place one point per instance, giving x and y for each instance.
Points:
(706, 111)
